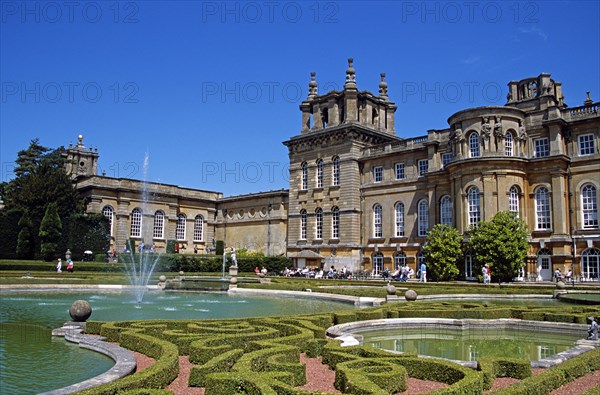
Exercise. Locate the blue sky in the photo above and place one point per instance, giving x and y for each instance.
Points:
(210, 89)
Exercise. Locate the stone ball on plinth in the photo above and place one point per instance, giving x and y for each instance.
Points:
(181, 273)
(233, 280)
(162, 278)
(410, 295)
(561, 285)
(391, 290)
(80, 311)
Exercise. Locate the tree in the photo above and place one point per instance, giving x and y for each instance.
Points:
(28, 160)
(25, 238)
(443, 252)
(50, 232)
(88, 232)
(501, 243)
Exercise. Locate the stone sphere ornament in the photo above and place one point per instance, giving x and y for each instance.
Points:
(162, 278)
(233, 280)
(410, 295)
(391, 290)
(561, 285)
(80, 311)
(181, 273)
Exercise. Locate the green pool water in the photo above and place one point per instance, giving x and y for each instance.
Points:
(32, 361)
(471, 344)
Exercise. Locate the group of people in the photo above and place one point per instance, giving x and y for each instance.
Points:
(487, 274)
(69, 265)
(558, 275)
(316, 272)
(403, 273)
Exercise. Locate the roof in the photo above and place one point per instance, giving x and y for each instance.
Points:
(307, 254)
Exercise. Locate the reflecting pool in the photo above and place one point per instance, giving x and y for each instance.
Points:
(32, 361)
(471, 344)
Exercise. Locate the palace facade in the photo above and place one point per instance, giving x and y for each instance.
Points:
(364, 198)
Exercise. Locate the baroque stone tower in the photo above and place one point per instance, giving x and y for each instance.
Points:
(325, 203)
(81, 161)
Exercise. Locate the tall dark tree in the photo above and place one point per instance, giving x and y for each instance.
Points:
(25, 238)
(28, 160)
(501, 243)
(50, 232)
(88, 232)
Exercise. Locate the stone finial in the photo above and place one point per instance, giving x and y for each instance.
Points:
(383, 87)
(80, 141)
(588, 100)
(312, 86)
(350, 75)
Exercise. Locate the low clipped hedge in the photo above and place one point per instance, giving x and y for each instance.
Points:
(502, 367)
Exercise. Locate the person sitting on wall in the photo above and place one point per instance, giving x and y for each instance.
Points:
(263, 271)
(331, 272)
(385, 274)
(558, 275)
(256, 270)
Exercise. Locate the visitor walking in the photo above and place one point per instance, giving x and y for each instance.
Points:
(59, 266)
(69, 265)
(593, 330)
(423, 270)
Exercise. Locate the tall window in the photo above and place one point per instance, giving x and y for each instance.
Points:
(320, 173)
(377, 221)
(468, 265)
(589, 206)
(399, 170)
(446, 211)
(508, 144)
(303, 226)
(542, 208)
(136, 223)
(474, 145)
(109, 213)
(319, 223)
(158, 231)
(423, 217)
(335, 223)
(399, 260)
(586, 145)
(199, 228)
(446, 158)
(304, 181)
(590, 263)
(423, 167)
(474, 206)
(399, 219)
(513, 200)
(377, 263)
(378, 174)
(336, 171)
(541, 148)
(180, 229)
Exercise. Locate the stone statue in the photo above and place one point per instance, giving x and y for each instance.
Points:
(498, 131)
(522, 132)
(486, 128)
(593, 330)
(233, 257)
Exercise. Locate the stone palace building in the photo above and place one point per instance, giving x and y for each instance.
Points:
(364, 198)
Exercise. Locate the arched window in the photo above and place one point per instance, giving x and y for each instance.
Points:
(199, 228)
(589, 206)
(336, 171)
(158, 230)
(446, 211)
(474, 145)
(513, 200)
(319, 223)
(468, 265)
(136, 223)
(303, 222)
(590, 263)
(399, 219)
(109, 213)
(377, 221)
(474, 206)
(319, 180)
(508, 144)
(377, 263)
(180, 228)
(423, 218)
(335, 223)
(399, 260)
(304, 180)
(542, 208)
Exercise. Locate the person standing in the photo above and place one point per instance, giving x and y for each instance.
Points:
(593, 330)
(70, 265)
(423, 270)
(59, 266)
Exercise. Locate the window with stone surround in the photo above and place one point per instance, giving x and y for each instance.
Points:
(377, 221)
(474, 151)
(180, 228)
(335, 223)
(158, 230)
(589, 206)
(446, 158)
(446, 211)
(399, 260)
(319, 180)
(541, 148)
(199, 228)
(378, 174)
(586, 145)
(319, 223)
(336, 171)
(423, 165)
(399, 170)
(474, 206)
(508, 144)
(303, 224)
(399, 219)
(136, 223)
(542, 209)
(423, 218)
(304, 179)
(109, 213)
(513, 200)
